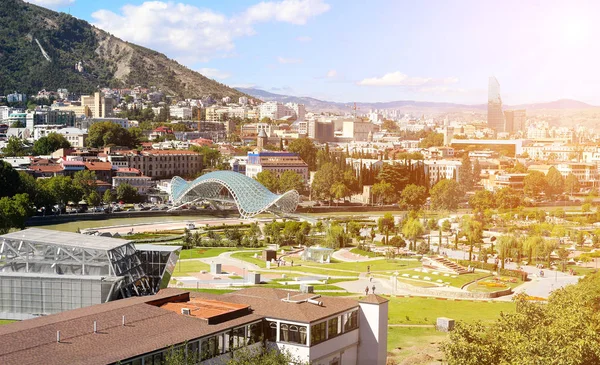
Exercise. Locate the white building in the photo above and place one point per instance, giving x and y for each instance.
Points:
(272, 110)
(181, 112)
(75, 136)
(243, 100)
(437, 170)
(299, 110)
(277, 163)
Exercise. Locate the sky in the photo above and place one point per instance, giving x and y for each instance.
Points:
(369, 51)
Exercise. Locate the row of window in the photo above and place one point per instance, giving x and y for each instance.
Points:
(333, 327)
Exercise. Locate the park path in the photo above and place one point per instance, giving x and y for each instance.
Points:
(226, 259)
(345, 255)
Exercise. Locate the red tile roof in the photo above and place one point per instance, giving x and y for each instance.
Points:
(98, 166)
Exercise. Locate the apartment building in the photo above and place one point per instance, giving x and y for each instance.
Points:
(276, 162)
(162, 164)
(437, 170)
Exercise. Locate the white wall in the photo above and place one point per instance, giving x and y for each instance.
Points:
(373, 325)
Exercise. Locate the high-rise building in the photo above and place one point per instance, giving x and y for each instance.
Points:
(495, 117)
(514, 120)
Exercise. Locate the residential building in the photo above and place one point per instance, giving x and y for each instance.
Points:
(299, 110)
(16, 98)
(515, 120)
(276, 162)
(134, 178)
(436, 170)
(75, 136)
(243, 100)
(181, 112)
(164, 163)
(355, 130)
(210, 328)
(499, 181)
(100, 106)
(320, 131)
(272, 110)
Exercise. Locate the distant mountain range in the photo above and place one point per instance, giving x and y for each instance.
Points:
(317, 105)
(40, 48)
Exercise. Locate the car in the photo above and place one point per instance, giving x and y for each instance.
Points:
(145, 208)
(131, 210)
(155, 208)
(164, 208)
(193, 207)
(117, 209)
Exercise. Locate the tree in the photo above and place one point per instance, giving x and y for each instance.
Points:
(327, 175)
(397, 174)
(432, 139)
(412, 230)
(234, 235)
(472, 229)
(14, 147)
(291, 180)
(445, 195)
(307, 151)
(211, 157)
(9, 179)
(382, 191)
(127, 193)
(555, 181)
(385, 225)
(413, 197)
(108, 197)
(85, 181)
(504, 246)
(397, 242)
(465, 172)
(563, 331)
(178, 356)
(532, 246)
(94, 199)
(476, 173)
(14, 211)
(50, 143)
(339, 190)
(534, 184)
(518, 168)
(335, 237)
(62, 189)
(269, 180)
(482, 200)
(263, 356)
(106, 133)
(507, 198)
(572, 184)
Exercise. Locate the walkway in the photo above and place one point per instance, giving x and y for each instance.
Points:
(345, 255)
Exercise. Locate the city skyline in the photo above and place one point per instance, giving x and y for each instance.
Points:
(433, 51)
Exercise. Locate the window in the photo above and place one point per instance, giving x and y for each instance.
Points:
(238, 338)
(254, 333)
(317, 333)
(332, 325)
(351, 321)
(293, 333)
(272, 331)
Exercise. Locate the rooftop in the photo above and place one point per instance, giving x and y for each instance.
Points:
(66, 239)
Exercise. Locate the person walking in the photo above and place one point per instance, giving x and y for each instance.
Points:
(367, 290)
(373, 289)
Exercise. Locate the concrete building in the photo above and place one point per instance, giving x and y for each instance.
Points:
(277, 163)
(495, 116)
(354, 130)
(321, 131)
(210, 328)
(181, 112)
(272, 110)
(100, 106)
(515, 121)
(75, 136)
(299, 110)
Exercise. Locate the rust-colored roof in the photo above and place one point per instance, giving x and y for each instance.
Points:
(204, 308)
(98, 166)
(47, 168)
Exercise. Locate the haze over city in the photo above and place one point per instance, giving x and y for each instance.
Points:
(381, 51)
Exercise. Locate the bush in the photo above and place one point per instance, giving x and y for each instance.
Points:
(519, 274)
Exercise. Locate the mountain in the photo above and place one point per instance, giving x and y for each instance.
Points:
(39, 49)
(316, 105)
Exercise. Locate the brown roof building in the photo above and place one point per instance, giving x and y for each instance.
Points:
(210, 328)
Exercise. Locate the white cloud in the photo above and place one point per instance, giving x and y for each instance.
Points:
(213, 73)
(191, 34)
(303, 39)
(331, 74)
(52, 4)
(245, 86)
(287, 61)
(288, 11)
(399, 79)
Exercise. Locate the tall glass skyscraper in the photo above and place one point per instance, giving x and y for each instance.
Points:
(495, 117)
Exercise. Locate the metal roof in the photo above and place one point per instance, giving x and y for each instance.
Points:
(65, 239)
(151, 247)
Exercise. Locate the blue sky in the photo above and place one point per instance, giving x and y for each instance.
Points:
(539, 50)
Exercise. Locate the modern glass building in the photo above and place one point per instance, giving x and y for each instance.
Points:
(44, 272)
(495, 117)
(249, 196)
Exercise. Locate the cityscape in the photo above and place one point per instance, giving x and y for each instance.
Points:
(310, 182)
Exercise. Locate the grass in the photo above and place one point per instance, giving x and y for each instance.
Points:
(6, 321)
(186, 267)
(72, 226)
(212, 291)
(351, 268)
(426, 310)
(204, 252)
(405, 342)
(249, 257)
(363, 252)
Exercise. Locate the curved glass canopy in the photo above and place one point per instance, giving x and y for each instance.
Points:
(250, 196)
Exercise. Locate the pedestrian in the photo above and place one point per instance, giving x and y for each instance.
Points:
(292, 263)
(368, 269)
(367, 290)
(370, 278)
(373, 289)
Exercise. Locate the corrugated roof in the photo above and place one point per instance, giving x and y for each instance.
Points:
(68, 239)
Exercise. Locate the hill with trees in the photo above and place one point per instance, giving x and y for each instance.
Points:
(40, 48)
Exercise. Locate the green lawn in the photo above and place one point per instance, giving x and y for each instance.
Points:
(6, 321)
(72, 226)
(382, 266)
(204, 252)
(249, 257)
(406, 342)
(426, 310)
(189, 267)
(363, 252)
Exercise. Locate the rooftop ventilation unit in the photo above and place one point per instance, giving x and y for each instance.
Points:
(186, 311)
